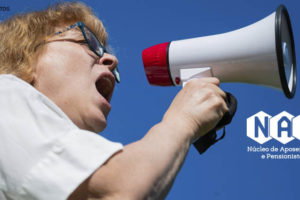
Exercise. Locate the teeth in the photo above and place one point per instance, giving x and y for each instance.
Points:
(108, 82)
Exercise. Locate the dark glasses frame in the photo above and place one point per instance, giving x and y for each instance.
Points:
(93, 43)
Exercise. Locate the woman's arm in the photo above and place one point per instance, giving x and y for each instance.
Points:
(147, 168)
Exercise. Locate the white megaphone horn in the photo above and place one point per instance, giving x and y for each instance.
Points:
(262, 53)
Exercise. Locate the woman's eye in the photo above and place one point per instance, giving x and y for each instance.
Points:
(84, 43)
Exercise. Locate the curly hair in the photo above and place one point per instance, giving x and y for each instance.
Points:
(21, 35)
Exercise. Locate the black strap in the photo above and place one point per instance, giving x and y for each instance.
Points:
(204, 142)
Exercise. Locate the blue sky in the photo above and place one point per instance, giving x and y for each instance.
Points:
(227, 170)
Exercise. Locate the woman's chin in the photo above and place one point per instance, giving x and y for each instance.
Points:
(98, 125)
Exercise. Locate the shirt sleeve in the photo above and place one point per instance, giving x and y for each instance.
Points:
(43, 155)
(71, 160)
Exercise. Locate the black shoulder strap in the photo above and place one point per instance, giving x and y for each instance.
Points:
(204, 142)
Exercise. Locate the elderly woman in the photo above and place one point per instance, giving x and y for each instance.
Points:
(56, 84)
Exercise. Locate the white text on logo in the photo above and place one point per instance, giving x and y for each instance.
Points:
(283, 127)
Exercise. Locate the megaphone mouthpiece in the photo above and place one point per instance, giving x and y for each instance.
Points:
(156, 64)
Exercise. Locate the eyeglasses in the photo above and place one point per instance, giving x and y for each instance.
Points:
(93, 43)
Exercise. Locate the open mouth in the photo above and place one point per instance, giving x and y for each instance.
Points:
(105, 85)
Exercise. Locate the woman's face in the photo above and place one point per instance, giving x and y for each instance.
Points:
(76, 79)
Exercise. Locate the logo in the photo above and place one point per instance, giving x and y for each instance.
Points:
(282, 127)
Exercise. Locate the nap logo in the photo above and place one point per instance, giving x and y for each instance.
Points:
(282, 127)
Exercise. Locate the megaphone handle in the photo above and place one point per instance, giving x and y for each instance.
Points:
(204, 142)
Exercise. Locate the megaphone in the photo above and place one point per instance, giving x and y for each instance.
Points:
(262, 53)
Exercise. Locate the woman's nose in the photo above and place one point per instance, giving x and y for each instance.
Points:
(109, 61)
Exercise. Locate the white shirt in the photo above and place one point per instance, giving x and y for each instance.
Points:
(43, 155)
